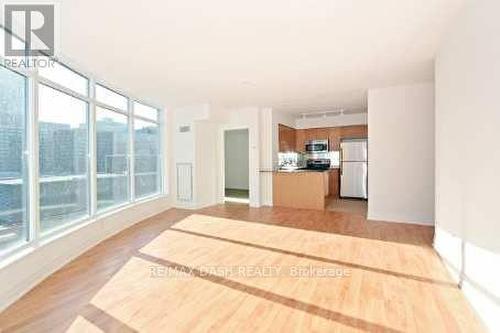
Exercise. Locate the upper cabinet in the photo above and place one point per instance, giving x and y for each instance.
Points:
(291, 139)
(333, 134)
(320, 134)
(300, 142)
(334, 138)
(287, 138)
(354, 132)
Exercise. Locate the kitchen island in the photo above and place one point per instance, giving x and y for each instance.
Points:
(305, 189)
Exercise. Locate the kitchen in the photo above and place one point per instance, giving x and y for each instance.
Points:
(322, 168)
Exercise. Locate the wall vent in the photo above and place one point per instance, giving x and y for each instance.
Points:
(184, 129)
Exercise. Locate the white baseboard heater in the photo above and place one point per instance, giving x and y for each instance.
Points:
(184, 181)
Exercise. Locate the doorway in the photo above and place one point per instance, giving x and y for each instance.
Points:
(236, 166)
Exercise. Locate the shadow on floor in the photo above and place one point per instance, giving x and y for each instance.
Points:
(55, 303)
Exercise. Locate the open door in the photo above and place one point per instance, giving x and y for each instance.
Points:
(236, 166)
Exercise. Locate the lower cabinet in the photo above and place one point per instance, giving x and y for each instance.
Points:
(334, 183)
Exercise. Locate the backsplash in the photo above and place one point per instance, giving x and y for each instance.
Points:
(291, 160)
(294, 160)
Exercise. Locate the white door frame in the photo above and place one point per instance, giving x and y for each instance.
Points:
(222, 185)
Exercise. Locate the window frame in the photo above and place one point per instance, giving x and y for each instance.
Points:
(106, 105)
(88, 161)
(31, 155)
(160, 154)
(26, 167)
(160, 143)
(42, 78)
(129, 199)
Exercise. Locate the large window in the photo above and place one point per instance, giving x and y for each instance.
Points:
(109, 97)
(63, 128)
(70, 149)
(112, 158)
(145, 111)
(147, 152)
(13, 181)
(65, 77)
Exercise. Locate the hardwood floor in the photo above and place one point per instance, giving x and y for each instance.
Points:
(349, 206)
(236, 269)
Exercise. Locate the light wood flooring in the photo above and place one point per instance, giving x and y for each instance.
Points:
(348, 206)
(231, 268)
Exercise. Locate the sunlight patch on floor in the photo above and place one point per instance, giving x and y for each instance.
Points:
(81, 324)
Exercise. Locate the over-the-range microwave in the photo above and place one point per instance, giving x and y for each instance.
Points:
(317, 146)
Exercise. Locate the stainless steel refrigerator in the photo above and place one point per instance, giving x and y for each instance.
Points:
(354, 168)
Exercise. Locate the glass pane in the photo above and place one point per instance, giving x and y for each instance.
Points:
(112, 164)
(146, 165)
(13, 215)
(65, 77)
(145, 111)
(109, 97)
(63, 149)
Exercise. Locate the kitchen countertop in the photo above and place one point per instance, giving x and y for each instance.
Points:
(303, 170)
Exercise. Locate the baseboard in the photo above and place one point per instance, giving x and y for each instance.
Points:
(402, 220)
(192, 205)
(27, 284)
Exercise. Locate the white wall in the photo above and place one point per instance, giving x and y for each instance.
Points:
(267, 155)
(401, 154)
(184, 150)
(333, 121)
(236, 159)
(205, 173)
(204, 147)
(237, 118)
(269, 146)
(468, 156)
(184, 141)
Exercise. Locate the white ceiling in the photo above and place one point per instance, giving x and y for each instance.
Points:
(294, 55)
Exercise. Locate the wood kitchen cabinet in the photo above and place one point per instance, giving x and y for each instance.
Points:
(351, 132)
(300, 140)
(334, 138)
(310, 134)
(321, 134)
(335, 134)
(334, 189)
(287, 138)
(303, 189)
(291, 139)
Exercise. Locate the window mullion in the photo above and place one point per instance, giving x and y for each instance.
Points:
(92, 149)
(161, 151)
(131, 155)
(33, 159)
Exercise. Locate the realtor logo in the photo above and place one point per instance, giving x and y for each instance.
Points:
(32, 30)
